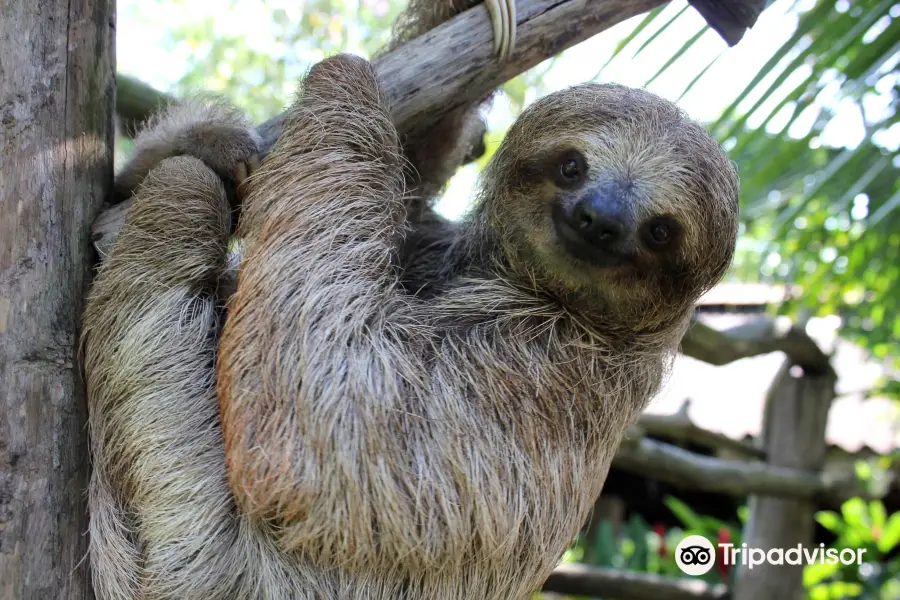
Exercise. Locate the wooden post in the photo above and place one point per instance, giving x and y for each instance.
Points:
(56, 150)
(794, 436)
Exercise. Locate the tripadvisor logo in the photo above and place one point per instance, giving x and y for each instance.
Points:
(695, 555)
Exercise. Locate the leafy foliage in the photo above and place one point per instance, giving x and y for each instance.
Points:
(820, 216)
(638, 546)
(258, 66)
(867, 527)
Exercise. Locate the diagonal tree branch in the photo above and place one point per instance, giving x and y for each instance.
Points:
(761, 336)
(679, 427)
(136, 101)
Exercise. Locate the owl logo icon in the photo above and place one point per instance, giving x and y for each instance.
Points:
(695, 555)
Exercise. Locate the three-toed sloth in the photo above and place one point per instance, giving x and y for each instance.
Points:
(393, 408)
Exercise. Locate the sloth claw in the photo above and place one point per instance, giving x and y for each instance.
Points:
(242, 171)
(503, 19)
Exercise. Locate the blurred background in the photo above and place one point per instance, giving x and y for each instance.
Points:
(806, 105)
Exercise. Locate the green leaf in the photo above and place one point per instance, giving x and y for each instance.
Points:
(830, 521)
(649, 18)
(817, 573)
(877, 514)
(678, 54)
(684, 513)
(637, 531)
(856, 516)
(605, 546)
(885, 209)
(697, 77)
(807, 22)
(659, 31)
(890, 534)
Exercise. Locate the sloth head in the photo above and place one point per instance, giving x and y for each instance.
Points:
(613, 199)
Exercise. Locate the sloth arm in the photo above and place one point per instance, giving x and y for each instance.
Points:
(334, 383)
(322, 352)
(437, 149)
(210, 130)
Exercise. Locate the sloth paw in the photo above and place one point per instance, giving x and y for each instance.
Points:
(503, 18)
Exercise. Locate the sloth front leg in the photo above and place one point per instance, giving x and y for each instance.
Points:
(315, 315)
(211, 130)
(162, 522)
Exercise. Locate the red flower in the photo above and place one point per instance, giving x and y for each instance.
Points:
(660, 530)
(724, 538)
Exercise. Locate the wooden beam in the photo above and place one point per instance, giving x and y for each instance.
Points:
(794, 436)
(136, 101)
(680, 428)
(600, 582)
(674, 465)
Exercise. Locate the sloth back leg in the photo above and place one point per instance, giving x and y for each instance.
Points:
(162, 521)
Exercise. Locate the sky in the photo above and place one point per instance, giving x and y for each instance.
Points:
(142, 53)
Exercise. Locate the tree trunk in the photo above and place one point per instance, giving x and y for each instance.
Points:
(56, 107)
(796, 415)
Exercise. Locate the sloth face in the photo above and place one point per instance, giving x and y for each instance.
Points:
(615, 192)
(595, 221)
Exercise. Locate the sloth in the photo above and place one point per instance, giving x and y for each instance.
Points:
(346, 436)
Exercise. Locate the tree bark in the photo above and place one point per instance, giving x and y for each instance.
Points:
(56, 153)
(760, 336)
(680, 428)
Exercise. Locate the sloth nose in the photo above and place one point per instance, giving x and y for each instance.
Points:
(602, 218)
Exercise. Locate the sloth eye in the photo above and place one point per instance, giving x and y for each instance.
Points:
(571, 170)
(660, 232)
